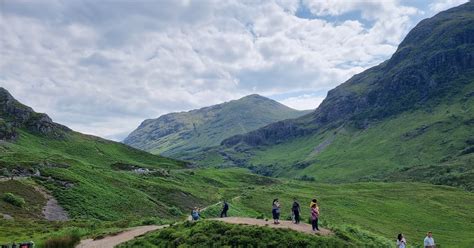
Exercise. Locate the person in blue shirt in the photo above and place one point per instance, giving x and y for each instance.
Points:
(195, 214)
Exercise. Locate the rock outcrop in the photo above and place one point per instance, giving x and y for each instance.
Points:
(435, 60)
(15, 115)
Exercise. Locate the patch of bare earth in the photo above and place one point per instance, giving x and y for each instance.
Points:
(52, 211)
(301, 227)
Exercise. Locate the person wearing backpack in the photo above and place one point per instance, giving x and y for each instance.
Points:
(296, 211)
(195, 214)
(225, 208)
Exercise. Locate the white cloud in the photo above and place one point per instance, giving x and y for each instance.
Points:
(440, 5)
(101, 67)
(303, 102)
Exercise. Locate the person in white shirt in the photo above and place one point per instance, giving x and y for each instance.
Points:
(429, 241)
(401, 242)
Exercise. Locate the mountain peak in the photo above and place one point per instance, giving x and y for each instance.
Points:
(175, 133)
(14, 114)
(254, 96)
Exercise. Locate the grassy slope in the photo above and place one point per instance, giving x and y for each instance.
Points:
(104, 193)
(182, 190)
(217, 234)
(410, 117)
(107, 194)
(384, 209)
(208, 126)
(432, 139)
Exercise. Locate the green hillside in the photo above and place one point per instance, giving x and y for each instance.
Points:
(360, 214)
(371, 154)
(217, 234)
(95, 179)
(409, 118)
(180, 135)
(98, 184)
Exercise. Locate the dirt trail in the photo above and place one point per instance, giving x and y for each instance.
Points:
(302, 227)
(131, 233)
(190, 218)
(111, 241)
(52, 211)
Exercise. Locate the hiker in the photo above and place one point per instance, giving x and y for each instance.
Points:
(276, 211)
(225, 208)
(296, 211)
(401, 242)
(314, 215)
(195, 214)
(429, 241)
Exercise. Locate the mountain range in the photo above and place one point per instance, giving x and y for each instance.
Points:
(371, 154)
(183, 134)
(409, 118)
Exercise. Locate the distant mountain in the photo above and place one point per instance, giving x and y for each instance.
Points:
(409, 118)
(182, 134)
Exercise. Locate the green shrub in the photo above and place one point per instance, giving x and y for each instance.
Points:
(175, 211)
(361, 237)
(14, 200)
(306, 178)
(5, 172)
(151, 221)
(65, 241)
(218, 234)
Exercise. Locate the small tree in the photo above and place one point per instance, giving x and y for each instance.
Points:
(5, 172)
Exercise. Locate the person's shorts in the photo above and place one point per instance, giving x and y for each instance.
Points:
(276, 215)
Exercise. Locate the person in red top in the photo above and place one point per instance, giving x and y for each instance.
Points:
(314, 214)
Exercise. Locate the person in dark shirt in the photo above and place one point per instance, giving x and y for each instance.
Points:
(225, 208)
(296, 211)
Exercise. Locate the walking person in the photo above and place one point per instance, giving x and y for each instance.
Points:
(276, 211)
(429, 241)
(195, 214)
(225, 208)
(314, 215)
(296, 211)
(401, 242)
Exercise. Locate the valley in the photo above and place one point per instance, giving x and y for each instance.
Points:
(389, 151)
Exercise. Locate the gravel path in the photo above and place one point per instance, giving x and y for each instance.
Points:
(111, 241)
(131, 233)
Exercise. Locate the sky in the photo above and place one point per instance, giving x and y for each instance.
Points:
(102, 67)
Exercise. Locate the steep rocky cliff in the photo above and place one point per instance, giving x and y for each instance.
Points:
(434, 60)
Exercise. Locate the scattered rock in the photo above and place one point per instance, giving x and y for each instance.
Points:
(6, 216)
(318, 149)
(52, 211)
